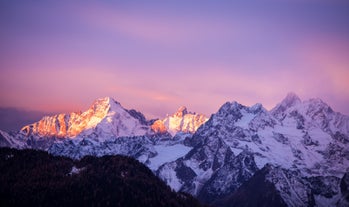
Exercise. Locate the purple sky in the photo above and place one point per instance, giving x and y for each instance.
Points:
(156, 56)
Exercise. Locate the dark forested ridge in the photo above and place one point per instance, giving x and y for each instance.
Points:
(35, 178)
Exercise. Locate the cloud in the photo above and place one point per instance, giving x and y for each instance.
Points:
(156, 27)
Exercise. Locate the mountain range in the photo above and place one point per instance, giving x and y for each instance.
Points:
(296, 154)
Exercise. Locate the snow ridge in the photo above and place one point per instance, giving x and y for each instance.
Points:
(105, 117)
(181, 121)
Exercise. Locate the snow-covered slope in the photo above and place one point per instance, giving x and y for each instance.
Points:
(304, 137)
(107, 128)
(7, 140)
(104, 118)
(152, 151)
(153, 148)
(181, 121)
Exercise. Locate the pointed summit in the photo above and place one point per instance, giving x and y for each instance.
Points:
(181, 111)
(182, 121)
(102, 106)
(106, 101)
(105, 117)
(103, 101)
(316, 107)
(290, 100)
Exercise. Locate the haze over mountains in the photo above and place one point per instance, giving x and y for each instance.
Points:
(298, 151)
(12, 119)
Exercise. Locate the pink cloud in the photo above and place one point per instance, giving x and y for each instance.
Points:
(329, 59)
(167, 29)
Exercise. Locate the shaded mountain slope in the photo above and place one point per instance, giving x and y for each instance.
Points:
(257, 191)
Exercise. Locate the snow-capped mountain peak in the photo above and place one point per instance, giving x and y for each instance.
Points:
(317, 105)
(105, 104)
(181, 111)
(99, 110)
(235, 113)
(180, 121)
(257, 108)
(289, 101)
(105, 118)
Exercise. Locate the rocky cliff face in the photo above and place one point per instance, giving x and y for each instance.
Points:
(181, 121)
(105, 117)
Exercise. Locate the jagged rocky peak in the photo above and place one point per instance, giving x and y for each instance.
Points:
(105, 117)
(289, 101)
(101, 107)
(236, 108)
(258, 107)
(180, 121)
(181, 111)
(231, 112)
(105, 104)
(159, 127)
(317, 105)
(230, 108)
(313, 105)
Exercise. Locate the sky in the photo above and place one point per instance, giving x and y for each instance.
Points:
(154, 56)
